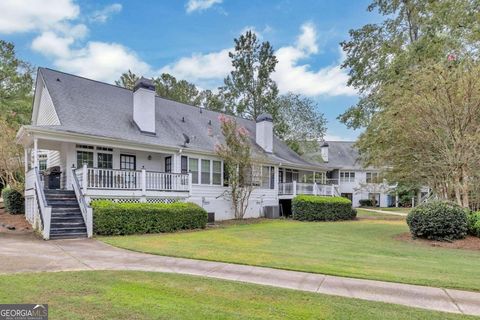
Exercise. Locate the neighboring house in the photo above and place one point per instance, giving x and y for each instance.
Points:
(354, 181)
(133, 146)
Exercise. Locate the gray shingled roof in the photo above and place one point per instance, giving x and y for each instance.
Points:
(95, 108)
(341, 155)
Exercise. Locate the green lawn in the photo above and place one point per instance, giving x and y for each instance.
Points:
(143, 295)
(364, 248)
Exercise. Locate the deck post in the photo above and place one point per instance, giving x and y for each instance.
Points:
(294, 188)
(189, 182)
(144, 182)
(35, 153)
(315, 193)
(84, 178)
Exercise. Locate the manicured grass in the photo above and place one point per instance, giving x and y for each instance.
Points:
(143, 295)
(365, 248)
(402, 210)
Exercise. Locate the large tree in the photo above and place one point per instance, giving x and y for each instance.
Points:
(430, 133)
(127, 80)
(412, 33)
(16, 86)
(249, 90)
(299, 123)
(167, 86)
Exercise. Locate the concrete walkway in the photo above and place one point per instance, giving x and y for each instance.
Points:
(25, 253)
(395, 213)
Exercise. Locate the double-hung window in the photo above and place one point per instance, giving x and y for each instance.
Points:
(193, 169)
(205, 174)
(347, 176)
(216, 172)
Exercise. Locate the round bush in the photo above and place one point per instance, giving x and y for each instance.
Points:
(13, 200)
(474, 223)
(438, 220)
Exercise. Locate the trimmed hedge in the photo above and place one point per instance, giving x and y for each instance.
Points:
(438, 220)
(317, 208)
(474, 224)
(367, 202)
(13, 200)
(111, 218)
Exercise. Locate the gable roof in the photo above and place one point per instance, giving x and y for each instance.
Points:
(341, 155)
(96, 108)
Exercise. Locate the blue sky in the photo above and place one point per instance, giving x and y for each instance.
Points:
(191, 39)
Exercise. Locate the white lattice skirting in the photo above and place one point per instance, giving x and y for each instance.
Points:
(138, 200)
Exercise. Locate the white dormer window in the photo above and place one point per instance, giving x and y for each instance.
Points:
(347, 176)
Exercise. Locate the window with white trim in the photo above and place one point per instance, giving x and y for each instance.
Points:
(193, 169)
(347, 176)
(205, 174)
(216, 172)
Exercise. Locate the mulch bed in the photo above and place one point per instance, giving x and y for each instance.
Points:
(17, 221)
(469, 243)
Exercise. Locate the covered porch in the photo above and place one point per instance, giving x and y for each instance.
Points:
(104, 170)
(293, 182)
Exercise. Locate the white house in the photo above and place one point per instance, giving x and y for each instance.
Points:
(354, 181)
(126, 145)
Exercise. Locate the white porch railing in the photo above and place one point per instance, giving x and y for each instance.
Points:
(41, 205)
(114, 179)
(294, 188)
(86, 210)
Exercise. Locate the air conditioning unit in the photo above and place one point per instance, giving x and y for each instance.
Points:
(271, 212)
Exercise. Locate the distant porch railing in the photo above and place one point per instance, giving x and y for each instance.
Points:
(294, 188)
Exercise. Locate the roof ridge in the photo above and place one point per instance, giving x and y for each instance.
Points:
(156, 95)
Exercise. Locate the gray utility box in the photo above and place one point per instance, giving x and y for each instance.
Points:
(271, 212)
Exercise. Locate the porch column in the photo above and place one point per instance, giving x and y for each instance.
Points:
(26, 159)
(177, 163)
(35, 152)
(294, 188)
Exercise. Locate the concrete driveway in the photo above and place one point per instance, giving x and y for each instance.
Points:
(26, 253)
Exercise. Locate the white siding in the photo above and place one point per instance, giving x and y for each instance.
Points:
(46, 111)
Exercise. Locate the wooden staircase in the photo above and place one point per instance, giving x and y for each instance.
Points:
(67, 220)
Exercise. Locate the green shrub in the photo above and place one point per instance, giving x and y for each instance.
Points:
(111, 218)
(316, 208)
(13, 200)
(474, 223)
(438, 220)
(367, 202)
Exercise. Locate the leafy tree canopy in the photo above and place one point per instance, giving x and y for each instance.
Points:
(414, 32)
(16, 86)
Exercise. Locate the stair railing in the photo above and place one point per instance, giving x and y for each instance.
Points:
(86, 210)
(45, 209)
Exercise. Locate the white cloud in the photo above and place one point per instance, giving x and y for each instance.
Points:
(97, 60)
(307, 41)
(104, 14)
(292, 76)
(33, 15)
(200, 68)
(200, 5)
(60, 37)
(50, 44)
